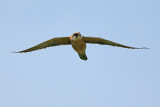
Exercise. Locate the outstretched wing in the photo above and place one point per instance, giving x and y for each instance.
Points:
(49, 43)
(95, 40)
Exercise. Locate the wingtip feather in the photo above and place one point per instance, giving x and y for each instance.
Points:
(142, 48)
(17, 52)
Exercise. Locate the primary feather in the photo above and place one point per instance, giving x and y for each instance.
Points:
(95, 40)
(49, 43)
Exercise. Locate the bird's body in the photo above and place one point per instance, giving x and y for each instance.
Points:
(78, 43)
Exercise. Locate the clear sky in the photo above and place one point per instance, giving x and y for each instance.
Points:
(56, 77)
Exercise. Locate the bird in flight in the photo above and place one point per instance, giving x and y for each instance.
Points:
(78, 43)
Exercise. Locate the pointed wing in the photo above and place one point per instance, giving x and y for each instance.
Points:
(95, 40)
(49, 43)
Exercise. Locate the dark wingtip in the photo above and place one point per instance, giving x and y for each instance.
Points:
(139, 48)
(17, 52)
(143, 48)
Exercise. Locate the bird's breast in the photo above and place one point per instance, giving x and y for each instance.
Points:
(79, 45)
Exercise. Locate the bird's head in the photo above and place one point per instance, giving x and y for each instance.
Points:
(76, 36)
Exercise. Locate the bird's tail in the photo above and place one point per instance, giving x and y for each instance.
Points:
(83, 56)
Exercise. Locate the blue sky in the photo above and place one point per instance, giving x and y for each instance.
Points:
(56, 77)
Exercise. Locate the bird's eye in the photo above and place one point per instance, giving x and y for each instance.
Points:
(76, 34)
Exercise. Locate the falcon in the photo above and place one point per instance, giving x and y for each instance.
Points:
(78, 43)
